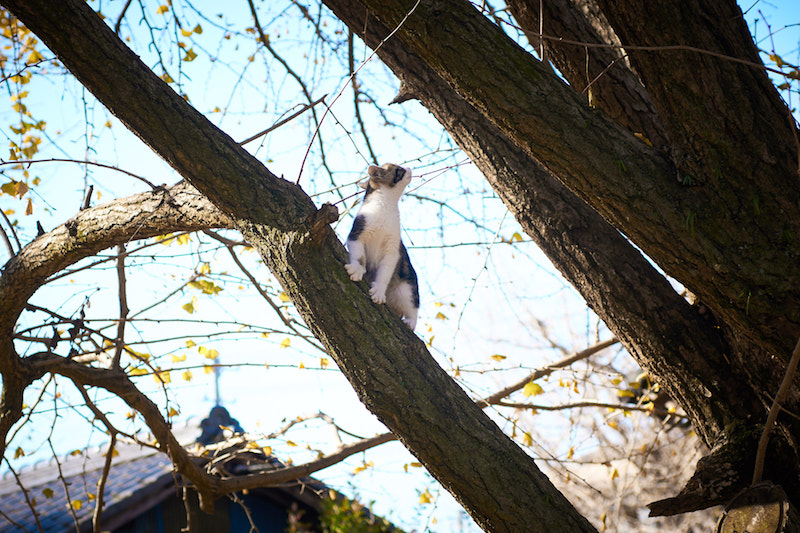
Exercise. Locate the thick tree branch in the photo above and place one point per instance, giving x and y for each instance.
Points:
(176, 208)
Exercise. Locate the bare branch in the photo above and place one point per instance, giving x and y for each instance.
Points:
(567, 361)
(780, 397)
(123, 306)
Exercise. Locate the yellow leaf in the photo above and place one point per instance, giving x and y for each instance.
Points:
(34, 57)
(425, 497)
(625, 394)
(187, 375)
(267, 450)
(614, 474)
(616, 381)
(48, 492)
(73, 453)
(516, 237)
(190, 55)
(532, 389)
(167, 78)
(612, 423)
(301, 366)
(178, 358)
(137, 371)
(498, 357)
(571, 452)
(162, 9)
(285, 343)
(76, 504)
(441, 316)
(184, 239)
(186, 33)
(208, 369)
(282, 296)
(114, 453)
(212, 354)
(190, 343)
(91, 496)
(29, 207)
(189, 307)
(198, 29)
(19, 452)
(265, 334)
(527, 440)
(291, 443)
(8, 212)
(323, 363)
(205, 269)
(22, 188)
(172, 412)
(162, 377)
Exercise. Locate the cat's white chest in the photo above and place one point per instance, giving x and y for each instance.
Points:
(381, 233)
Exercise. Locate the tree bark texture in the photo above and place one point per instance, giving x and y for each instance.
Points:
(595, 69)
(390, 368)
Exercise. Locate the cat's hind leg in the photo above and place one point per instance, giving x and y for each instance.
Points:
(383, 275)
(402, 301)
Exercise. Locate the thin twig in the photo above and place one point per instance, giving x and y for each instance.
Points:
(25, 494)
(121, 16)
(546, 371)
(356, 92)
(284, 121)
(92, 163)
(123, 306)
(101, 484)
(780, 397)
(13, 234)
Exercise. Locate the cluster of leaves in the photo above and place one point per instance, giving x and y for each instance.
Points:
(342, 515)
(20, 54)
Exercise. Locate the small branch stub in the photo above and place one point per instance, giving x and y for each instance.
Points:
(325, 215)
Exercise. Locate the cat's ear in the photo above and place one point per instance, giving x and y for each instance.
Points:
(364, 183)
(376, 172)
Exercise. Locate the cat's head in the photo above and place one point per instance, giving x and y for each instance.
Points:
(388, 177)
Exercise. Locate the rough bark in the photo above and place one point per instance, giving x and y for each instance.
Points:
(596, 69)
(629, 183)
(387, 365)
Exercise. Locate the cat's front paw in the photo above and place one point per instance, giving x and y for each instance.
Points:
(378, 294)
(355, 270)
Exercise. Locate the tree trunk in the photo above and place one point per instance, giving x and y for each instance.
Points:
(389, 367)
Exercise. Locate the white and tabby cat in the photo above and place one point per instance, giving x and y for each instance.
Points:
(376, 251)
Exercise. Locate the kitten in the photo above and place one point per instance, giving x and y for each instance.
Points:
(376, 251)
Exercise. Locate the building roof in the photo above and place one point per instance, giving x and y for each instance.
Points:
(62, 491)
